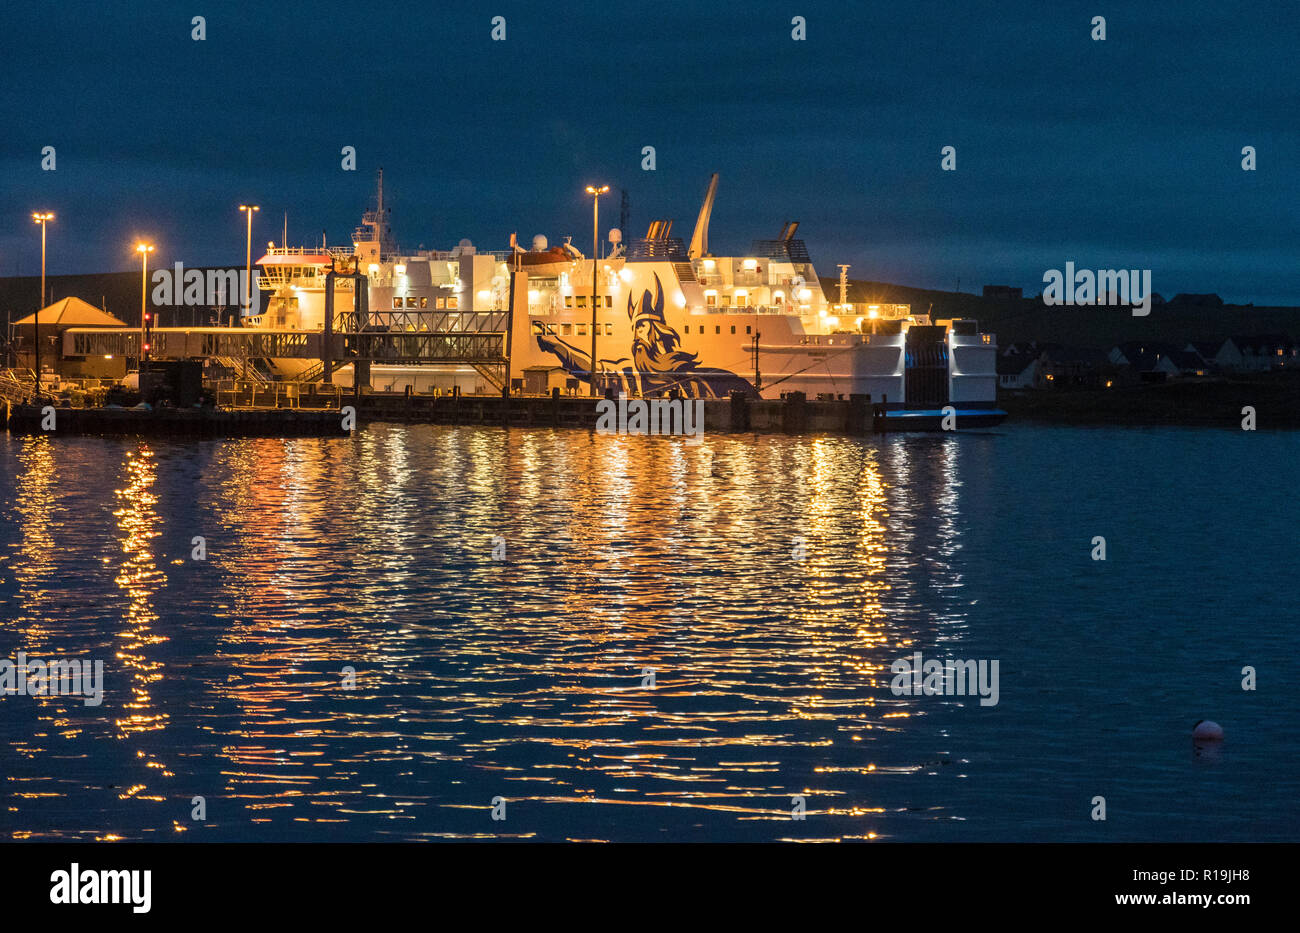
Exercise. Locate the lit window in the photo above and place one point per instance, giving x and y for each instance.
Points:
(411, 302)
(609, 330)
(453, 302)
(397, 302)
(568, 329)
(582, 330)
(440, 303)
(568, 301)
(424, 302)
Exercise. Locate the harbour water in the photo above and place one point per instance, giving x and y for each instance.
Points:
(504, 599)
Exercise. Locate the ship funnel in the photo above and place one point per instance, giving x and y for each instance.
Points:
(700, 239)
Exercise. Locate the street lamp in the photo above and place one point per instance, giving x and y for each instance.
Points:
(248, 258)
(144, 249)
(41, 218)
(595, 241)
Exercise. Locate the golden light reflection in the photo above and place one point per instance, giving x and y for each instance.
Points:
(36, 503)
(139, 578)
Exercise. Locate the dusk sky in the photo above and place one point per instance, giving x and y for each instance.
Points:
(1117, 153)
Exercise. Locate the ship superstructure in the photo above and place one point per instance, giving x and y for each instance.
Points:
(669, 319)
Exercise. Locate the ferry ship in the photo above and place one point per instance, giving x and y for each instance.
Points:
(661, 317)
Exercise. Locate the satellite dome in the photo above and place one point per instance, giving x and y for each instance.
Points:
(539, 243)
(615, 235)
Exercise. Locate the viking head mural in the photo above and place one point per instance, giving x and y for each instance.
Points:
(659, 366)
(655, 345)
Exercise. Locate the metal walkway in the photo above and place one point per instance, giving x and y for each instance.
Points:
(399, 337)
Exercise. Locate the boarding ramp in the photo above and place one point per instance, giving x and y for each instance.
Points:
(404, 337)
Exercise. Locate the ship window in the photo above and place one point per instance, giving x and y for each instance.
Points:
(440, 303)
(568, 301)
(609, 330)
(717, 330)
(424, 301)
(397, 302)
(582, 330)
(453, 302)
(748, 329)
(609, 303)
(711, 300)
(568, 329)
(411, 302)
(582, 301)
(733, 328)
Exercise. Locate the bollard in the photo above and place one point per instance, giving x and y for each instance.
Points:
(739, 410)
(859, 416)
(794, 413)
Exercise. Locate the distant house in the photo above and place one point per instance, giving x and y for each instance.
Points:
(1152, 362)
(1219, 354)
(1020, 348)
(1020, 371)
(1074, 366)
(1003, 291)
(1188, 363)
(1267, 351)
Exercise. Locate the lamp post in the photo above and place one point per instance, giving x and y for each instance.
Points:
(248, 257)
(42, 218)
(595, 242)
(144, 249)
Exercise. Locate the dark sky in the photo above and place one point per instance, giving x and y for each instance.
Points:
(1122, 153)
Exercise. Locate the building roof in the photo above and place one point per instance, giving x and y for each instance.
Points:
(1058, 353)
(1185, 360)
(71, 312)
(1208, 349)
(1262, 342)
(1016, 364)
(1144, 355)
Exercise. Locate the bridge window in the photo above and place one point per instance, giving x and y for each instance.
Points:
(411, 302)
(424, 301)
(397, 302)
(453, 302)
(440, 303)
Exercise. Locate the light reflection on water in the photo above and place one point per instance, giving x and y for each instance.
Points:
(521, 678)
